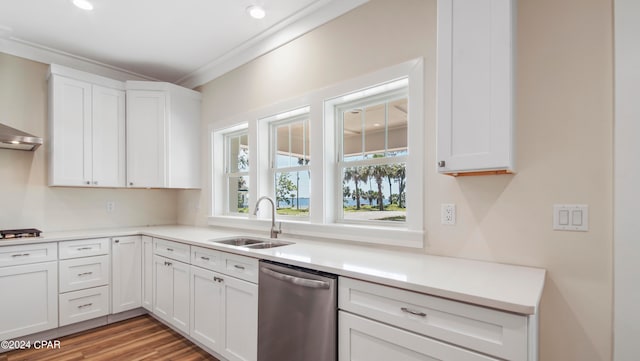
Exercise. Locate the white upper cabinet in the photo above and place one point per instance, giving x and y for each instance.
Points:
(163, 136)
(475, 105)
(87, 129)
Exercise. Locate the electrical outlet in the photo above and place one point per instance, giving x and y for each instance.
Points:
(111, 206)
(448, 213)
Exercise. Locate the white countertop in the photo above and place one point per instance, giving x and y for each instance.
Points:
(505, 287)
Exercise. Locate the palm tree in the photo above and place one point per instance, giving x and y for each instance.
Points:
(378, 172)
(356, 175)
(399, 173)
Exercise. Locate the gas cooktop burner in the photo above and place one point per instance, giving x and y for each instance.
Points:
(19, 233)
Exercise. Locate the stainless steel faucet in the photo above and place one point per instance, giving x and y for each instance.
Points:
(274, 231)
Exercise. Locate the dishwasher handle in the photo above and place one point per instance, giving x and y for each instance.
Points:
(299, 281)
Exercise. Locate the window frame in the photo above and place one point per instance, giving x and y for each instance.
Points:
(228, 174)
(382, 96)
(322, 224)
(287, 118)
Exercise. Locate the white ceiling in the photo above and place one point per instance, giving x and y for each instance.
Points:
(187, 42)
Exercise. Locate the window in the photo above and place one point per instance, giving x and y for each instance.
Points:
(372, 154)
(347, 163)
(237, 171)
(290, 158)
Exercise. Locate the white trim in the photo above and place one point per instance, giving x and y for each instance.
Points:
(372, 234)
(309, 18)
(306, 20)
(626, 177)
(43, 54)
(322, 218)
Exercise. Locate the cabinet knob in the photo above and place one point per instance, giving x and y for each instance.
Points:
(87, 182)
(117, 241)
(441, 163)
(95, 182)
(130, 183)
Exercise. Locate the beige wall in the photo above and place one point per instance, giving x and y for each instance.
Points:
(563, 142)
(25, 199)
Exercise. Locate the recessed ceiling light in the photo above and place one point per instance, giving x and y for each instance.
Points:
(83, 4)
(256, 12)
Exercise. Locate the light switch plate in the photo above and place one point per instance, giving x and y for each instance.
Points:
(571, 217)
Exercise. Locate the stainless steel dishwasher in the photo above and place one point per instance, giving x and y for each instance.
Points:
(297, 314)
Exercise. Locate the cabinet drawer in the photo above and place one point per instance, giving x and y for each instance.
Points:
(79, 273)
(207, 258)
(83, 305)
(493, 332)
(245, 268)
(28, 253)
(174, 250)
(84, 248)
(363, 339)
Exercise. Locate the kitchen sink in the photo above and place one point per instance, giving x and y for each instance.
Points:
(254, 243)
(240, 242)
(269, 244)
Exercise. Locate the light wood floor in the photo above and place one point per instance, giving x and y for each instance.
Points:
(140, 338)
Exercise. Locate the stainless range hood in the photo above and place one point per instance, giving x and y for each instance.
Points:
(11, 138)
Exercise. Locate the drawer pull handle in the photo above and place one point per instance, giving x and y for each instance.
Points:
(417, 313)
(239, 267)
(205, 258)
(218, 279)
(170, 249)
(167, 263)
(20, 255)
(85, 305)
(84, 248)
(85, 274)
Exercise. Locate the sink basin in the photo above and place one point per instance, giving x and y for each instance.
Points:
(253, 243)
(240, 242)
(269, 244)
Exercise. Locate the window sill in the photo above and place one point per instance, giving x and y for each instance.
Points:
(390, 236)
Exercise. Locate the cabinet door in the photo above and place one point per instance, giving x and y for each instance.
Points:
(362, 339)
(147, 272)
(108, 125)
(70, 132)
(207, 317)
(241, 319)
(183, 141)
(171, 292)
(181, 296)
(475, 85)
(162, 288)
(146, 117)
(29, 299)
(127, 273)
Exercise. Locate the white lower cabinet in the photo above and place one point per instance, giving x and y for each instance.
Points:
(79, 273)
(171, 292)
(224, 314)
(126, 280)
(362, 339)
(241, 320)
(423, 327)
(147, 273)
(207, 308)
(84, 305)
(29, 298)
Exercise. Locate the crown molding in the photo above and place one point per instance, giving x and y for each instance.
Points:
(306, 20)
(43, 54)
